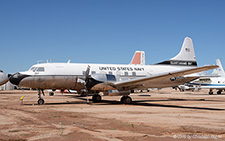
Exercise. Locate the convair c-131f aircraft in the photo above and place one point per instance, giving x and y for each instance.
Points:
(95, 78)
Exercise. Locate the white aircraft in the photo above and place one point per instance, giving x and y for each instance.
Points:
(3, 78)
(211, 83)
(95, 78)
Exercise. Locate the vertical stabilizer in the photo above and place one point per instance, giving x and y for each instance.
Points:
(138, 58)
(186, 56)
(220, 70)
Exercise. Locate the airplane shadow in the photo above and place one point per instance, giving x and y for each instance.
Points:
(141, 103)
(136, 103)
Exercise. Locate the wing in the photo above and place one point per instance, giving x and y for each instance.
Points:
(160, 79)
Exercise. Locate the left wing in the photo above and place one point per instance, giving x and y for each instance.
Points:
(141, 82)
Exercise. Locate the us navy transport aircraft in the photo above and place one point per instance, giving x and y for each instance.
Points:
(95, 78)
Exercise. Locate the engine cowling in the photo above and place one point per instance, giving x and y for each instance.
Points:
(101, 82)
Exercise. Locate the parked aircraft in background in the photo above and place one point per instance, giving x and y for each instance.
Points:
(95, 78)
(187, 87)
(138, 58)
(211, 83)
(3, 78)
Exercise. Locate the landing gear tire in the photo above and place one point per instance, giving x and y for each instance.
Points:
(218, 92)
(51, 94)
(210, 93)
(96, 98)
(126, 100)
(40, 101)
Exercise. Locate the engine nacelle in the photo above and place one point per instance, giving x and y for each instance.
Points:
(100, 82)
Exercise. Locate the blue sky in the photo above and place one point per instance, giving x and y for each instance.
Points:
(108, 31)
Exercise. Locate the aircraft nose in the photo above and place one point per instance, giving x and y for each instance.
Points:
(16, 78)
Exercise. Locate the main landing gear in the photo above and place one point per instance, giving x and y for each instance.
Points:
(211, 92)
(96, 98)
(40, 100)
(126, 99)
(219, 92)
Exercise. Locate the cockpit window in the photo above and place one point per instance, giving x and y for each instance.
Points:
(33, 69)
(41, 69)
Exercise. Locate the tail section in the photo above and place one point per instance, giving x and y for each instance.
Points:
(220, 70)
(186, 56)
(138, 58)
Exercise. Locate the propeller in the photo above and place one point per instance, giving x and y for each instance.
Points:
(86, 81)
(87, 75)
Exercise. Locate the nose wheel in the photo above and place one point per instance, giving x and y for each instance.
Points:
(40, 100)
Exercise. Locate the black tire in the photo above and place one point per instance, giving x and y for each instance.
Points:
(218, 92)
(127, 100)
(51, 94)
(122, 99)
(96, 98)
(210, 93)
(40, 101)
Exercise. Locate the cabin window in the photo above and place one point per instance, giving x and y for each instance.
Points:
(110, 73)
(126, 73)
(133, 73)
(110, 77)
(93, 72)
(41, 69)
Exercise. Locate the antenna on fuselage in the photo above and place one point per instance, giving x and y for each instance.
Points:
(38, 61)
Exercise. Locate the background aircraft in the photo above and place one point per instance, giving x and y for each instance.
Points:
(95, 78)
(211, 83)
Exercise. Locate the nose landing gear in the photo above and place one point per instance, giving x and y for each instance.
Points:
(40, 100)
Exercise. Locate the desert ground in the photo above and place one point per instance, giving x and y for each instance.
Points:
(158, 115)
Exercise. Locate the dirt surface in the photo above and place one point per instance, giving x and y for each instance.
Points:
(159, 115)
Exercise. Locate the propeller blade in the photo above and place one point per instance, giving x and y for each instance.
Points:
(87, 73)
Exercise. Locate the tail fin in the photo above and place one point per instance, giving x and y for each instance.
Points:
(220, 70)
(138, 58)
(186, 56)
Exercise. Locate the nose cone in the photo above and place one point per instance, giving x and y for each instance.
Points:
(16, 78)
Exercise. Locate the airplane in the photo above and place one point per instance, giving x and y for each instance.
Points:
(95, 78)
(211, 83)
(4, 78)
